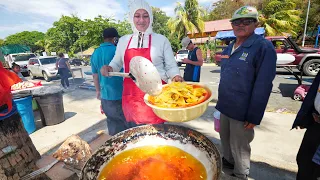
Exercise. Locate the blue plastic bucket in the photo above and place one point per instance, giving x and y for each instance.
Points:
(24, 106)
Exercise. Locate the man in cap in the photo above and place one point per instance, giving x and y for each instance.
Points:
(248, 68)
(193, 62)
(109, 89)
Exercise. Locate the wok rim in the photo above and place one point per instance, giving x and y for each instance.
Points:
(167, 128)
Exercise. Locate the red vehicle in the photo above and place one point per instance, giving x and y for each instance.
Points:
(307, 60)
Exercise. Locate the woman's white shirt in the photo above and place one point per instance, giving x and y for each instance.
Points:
(161, 54)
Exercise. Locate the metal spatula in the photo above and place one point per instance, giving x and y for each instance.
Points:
(144, 74)
(39, 171)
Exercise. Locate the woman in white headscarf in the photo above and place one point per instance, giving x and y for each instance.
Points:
(143, 42)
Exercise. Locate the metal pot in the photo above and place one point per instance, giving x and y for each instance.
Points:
(191, 141)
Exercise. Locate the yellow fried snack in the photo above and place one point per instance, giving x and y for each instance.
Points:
(179, 94)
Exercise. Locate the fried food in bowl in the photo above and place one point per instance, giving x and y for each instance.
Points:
(180, 101)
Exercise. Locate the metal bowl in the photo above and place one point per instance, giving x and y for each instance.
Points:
(181, 114)
(191, 141)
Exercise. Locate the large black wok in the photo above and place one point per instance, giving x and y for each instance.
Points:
(184, 138)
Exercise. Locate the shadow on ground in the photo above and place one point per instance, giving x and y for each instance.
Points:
(68, 115)
(40, 122)
(287, 90)
(216, 71)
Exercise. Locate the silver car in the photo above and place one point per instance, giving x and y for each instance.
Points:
(43, 66)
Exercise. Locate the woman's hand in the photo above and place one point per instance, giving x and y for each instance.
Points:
(105, 70)
(177, 78)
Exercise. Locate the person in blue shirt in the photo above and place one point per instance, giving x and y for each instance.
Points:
(193, 62)
(109, 89)
(248, 68)
(308, 157)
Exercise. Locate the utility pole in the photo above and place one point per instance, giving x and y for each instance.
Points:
(305, 27)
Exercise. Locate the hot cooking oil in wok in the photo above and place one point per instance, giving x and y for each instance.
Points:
(154, 163)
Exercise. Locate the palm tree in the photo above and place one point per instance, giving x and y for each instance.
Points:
(280, 18)
(188, 18)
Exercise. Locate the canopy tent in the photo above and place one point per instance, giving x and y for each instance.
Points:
(14, 48)
(225, 35)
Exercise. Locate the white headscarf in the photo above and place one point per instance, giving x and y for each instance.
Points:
(134, 5)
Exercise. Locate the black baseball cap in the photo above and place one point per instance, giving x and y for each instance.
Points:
(110, 33)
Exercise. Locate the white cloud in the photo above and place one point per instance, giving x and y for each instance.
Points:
(169, 10)
(55, 8)
(34, 26)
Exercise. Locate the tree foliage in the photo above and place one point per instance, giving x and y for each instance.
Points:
(159, 26)
(29, 38)
(64, 33)
(224, 9)
(280, 17)
(71, 34)
(314, 15)
(189, 18)
(1, 42)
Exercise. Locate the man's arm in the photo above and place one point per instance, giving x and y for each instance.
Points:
(196, 63)
(95, 75)
(97, 85)
(265, 73)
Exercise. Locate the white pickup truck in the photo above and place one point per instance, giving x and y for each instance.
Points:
(21, 59)
(181, 54)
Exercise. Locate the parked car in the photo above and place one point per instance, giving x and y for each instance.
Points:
(76, 62)
(181, 54)
(21, 59)
(43, 66)
(307, 60)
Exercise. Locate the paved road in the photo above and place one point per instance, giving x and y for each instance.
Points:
(280, 99)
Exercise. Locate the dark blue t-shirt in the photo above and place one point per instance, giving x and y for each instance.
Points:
(62, 63)
(192, 72)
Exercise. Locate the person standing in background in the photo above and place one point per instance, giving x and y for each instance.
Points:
(109, 89)
(194, 61)
(63, 67)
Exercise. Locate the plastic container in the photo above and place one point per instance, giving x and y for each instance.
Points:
(216, 119)
(51, 108)
(24, 106)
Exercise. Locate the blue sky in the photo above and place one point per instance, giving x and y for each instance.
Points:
(30, 15)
